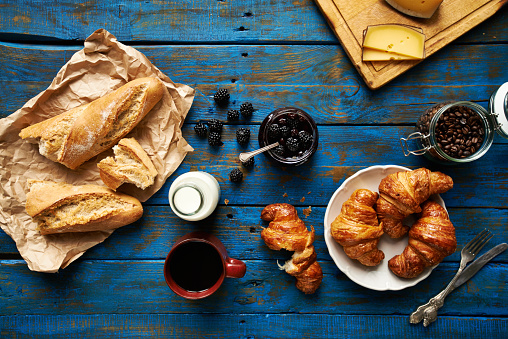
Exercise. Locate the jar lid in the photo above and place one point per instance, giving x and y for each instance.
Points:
(498, 108)
(188, 200)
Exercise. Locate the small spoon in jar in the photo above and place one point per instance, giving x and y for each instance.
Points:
(247, 155)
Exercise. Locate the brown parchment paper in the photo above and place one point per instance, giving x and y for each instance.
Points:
(103, 65)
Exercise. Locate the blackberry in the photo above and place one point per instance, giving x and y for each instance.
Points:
(273, 132)
(306, 138)
(201, 129)
(246, 109)
(243, 136)
(282, 121)
(215, 126)
(285, 131)
(214, 139)
(221, 97)
(292, 123)
(233, 114)
(236, 175)
(293, 144)
(279, 150)
(249, 163)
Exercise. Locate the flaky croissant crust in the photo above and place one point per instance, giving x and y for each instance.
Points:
(357, 229)
(402, 193)
(431, 239)
(287, 231)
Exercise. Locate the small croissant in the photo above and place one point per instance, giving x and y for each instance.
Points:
(431, 239)
(357, 229)
(402, 193)
(287, 231)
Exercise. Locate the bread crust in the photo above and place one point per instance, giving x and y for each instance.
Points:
(111, 170)
(287, 231)
(402, 193)
(431, 239)
(46, 199)
(357, 228)
(79, 134)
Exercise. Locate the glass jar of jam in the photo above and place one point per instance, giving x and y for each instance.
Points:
(461, 131)
(295, 132)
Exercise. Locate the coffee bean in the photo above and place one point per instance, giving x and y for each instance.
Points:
(459, 130)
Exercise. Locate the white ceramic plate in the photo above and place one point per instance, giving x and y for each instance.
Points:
(380, 277)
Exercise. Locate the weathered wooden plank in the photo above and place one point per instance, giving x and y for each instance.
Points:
(342, 151)
(330, 90)
(266, 64)
(187, 21)
(243, 21)
(230, 20)
(138, 287)
(246, 326)
(239, 229)
(328, 104)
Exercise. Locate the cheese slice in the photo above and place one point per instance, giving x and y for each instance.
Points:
(417, 8)
(370, 54)
(397, 39)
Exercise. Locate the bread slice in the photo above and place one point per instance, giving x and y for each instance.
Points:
(61, 207)
(131, 164)
(73, 137)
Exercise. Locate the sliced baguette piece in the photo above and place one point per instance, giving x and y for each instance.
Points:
(131, 164)
(73, 137)
(62, 207)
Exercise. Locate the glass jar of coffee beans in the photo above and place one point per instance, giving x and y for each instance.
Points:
(453, 132)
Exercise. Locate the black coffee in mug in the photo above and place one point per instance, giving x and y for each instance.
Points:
(195, 266)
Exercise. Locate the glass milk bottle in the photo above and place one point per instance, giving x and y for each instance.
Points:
(194, 196)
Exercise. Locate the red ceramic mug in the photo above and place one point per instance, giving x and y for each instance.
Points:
(197, 265)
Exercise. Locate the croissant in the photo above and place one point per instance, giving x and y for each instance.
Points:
(431, 239)
(402, 193)
(287, 231)
(357, 229)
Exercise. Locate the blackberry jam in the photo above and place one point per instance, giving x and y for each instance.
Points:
(294, 130)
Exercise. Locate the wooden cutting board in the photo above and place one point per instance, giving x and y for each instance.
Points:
(349, 18)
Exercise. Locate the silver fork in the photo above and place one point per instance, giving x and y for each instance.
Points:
(428, 311)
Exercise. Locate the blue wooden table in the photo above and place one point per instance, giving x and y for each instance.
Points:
(272, 54)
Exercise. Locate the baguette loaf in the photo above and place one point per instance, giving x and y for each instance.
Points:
(73, 137)
(131, 164)
(61, 207)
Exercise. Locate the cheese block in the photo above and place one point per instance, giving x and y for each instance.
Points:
(397, 39)
(370, 54)
(417, 8)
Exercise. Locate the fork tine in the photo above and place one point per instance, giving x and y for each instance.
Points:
(480, 245)
(472, 242)
(479, 240)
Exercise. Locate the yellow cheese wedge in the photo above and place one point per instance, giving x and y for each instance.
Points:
(417, 8)
(397, 39)
(370, 54)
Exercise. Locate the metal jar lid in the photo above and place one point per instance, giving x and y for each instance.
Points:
(498, 109)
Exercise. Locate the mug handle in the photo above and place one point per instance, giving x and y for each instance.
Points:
(235, 268)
